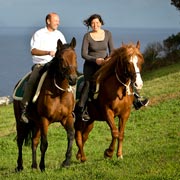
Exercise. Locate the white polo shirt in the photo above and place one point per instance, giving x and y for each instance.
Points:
(45, 40)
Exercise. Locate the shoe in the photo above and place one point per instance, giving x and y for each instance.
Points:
(24, 115)
(85, 116)
(139, 103)
(24, 118)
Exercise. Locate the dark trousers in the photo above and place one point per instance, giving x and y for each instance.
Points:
(32, 83)
(84, 95)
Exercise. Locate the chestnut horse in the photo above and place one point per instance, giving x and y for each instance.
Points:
(54, 104)
(116, 79)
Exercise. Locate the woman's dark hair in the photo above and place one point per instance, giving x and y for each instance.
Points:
(87, 22)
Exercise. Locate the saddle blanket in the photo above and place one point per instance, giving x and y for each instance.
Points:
(19, 89)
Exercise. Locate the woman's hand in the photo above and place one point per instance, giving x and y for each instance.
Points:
(100, 61)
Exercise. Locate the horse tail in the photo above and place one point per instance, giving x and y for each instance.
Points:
(28, 137)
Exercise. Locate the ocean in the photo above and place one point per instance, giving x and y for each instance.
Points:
(15, 48)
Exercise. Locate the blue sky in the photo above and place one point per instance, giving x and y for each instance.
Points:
(117, 13)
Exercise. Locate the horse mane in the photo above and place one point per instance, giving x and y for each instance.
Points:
(52, 66)
(120, 54)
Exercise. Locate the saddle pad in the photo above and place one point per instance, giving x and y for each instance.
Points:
(19, 90)
(80, 84)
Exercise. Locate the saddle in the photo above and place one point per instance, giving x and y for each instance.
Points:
(80, 83)
(20, 87)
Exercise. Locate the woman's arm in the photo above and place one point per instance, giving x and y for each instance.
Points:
(84, 50)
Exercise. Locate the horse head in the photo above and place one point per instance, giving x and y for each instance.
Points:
(67, 61)
(129, 64)
(137, 60)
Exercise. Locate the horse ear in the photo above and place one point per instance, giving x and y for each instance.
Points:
(73, 42)
(59, 44)
(122, 44)
(138, 44)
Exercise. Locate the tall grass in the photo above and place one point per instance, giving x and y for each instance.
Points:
(151, 144)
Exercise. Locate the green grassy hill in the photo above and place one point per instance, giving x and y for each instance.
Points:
(151, 144)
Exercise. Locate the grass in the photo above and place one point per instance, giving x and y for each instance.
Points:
(151, 144)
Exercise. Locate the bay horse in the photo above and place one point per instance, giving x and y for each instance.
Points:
(116, 79)
(55, 104)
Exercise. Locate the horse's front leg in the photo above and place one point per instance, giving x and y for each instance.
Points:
(114, 133)
(69, 126)
(35, 142)
(122, 123)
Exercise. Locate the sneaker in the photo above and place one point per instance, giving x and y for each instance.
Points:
(85, 116)
(24, 115)
(24, 118)
(140, 103)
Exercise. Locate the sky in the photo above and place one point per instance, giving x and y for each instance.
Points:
(115, 13)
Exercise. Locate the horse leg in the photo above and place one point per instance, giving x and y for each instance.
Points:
(19, 160)
(44, 143)
(122, 123)
(114, 133)
(81, 136)
(69, 126)
(35, 142)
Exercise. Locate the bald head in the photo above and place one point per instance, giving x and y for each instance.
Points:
(52, 21)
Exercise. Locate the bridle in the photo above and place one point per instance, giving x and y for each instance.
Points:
(128, 84)
(63, 73)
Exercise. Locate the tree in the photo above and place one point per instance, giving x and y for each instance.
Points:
(176, 3)
(172, 43)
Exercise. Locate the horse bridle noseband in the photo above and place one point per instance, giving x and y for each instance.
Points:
(126, 85)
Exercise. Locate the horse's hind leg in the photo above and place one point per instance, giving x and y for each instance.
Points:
(22, 134)
(81, 137)
(69, 126)
(19, 160)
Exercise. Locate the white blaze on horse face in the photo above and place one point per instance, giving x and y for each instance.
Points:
(138, 82)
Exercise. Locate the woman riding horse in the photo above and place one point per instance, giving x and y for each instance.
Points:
(115, 97)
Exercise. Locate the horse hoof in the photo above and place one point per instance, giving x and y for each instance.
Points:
(65, 164)
(43, 170)
(18, 169)
(120, 157)
(78, 157)
(108, 153)
(83, 160)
